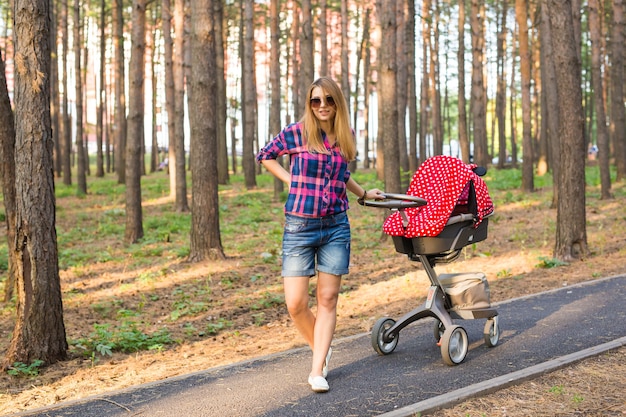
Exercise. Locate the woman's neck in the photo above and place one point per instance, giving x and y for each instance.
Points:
(328, 129)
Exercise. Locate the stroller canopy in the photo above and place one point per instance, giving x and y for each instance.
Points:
(447, 184)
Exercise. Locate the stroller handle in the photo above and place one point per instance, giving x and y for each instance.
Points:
(398, 201)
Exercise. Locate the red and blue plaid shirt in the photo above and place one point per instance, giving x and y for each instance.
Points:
(318, 181)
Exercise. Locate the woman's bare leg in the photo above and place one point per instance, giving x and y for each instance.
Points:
(297, 301)
(326, 320)
(317, 331)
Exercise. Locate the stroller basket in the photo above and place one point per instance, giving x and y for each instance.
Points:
(466, 291)
(454, 236)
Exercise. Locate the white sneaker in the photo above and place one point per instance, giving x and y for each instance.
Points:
(326, 362)
(318, 383)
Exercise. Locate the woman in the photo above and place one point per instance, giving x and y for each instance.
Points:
(317, 231)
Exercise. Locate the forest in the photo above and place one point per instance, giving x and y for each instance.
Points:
(195, 87)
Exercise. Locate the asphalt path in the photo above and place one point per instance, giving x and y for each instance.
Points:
(538, 333)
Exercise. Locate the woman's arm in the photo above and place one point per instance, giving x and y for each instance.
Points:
(276, 169)
(361, 192)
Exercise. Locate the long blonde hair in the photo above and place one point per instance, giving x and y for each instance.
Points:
(341, 123)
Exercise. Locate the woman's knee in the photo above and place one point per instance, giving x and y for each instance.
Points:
(327, 298)
(297, 306)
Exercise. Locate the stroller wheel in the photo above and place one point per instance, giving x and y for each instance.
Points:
(454, 345)
(381, 344)
(438, 330)
(491, 333)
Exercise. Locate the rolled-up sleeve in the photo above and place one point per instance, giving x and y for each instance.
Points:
(274, 148)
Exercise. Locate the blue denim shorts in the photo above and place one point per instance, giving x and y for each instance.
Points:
(324, 241)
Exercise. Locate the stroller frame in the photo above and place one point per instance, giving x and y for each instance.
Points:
(459, 232)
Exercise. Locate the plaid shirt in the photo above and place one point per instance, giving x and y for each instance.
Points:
(318, 181)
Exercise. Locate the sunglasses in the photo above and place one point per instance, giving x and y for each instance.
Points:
(316, 102)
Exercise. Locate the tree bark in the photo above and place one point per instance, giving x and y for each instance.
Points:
(435, 92)
(425, 103)
(249, 96)
(501, 87)
(81, 168)
(67, 128)
(323, 29)
(307, 62)
(550, 112)
(7, 159)
(134, 226)
(401, 95)
(39, 331)
(180, 199)
(55, 96)
(602, 131)
(478, 102)
(205, 227)
(101, 94)
(618, 114)
(412, 87)
(521, 14)
(223, 176)
(388, 107)
(275, 103)
(463, 137)
(120, 92)
(170, 107)
(571, 234)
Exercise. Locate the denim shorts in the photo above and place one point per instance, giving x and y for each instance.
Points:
(324, 241)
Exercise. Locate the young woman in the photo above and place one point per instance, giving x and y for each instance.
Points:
(317, 231)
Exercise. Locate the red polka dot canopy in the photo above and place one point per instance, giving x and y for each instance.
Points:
(444, 182)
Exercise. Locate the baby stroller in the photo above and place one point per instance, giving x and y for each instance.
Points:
(446, 208)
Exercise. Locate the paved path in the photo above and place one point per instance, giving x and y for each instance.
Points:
(539, 333)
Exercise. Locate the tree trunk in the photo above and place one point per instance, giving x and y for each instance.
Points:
(101, 94)
(120, 92)
(55, 96)
(401, 96)
(170, 108)
(463, 138)
(435, 93)
(521, 15)
(249, 96)
(180, 202)
(425, 104)
(513, 104)
(477, 103)
(81, 178)
(205, 226)
(223, 176)
(412, 87)
(367, 88)
(275, 103)
(552, 102)
(67, 128)
(501, 87)
(154, 59)
(597, 58)
(39, 331)
(388, 110)
(7, 159)
(323, 30)
(134, 226)
(571, 234)
(618, 114)
(307, 62)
